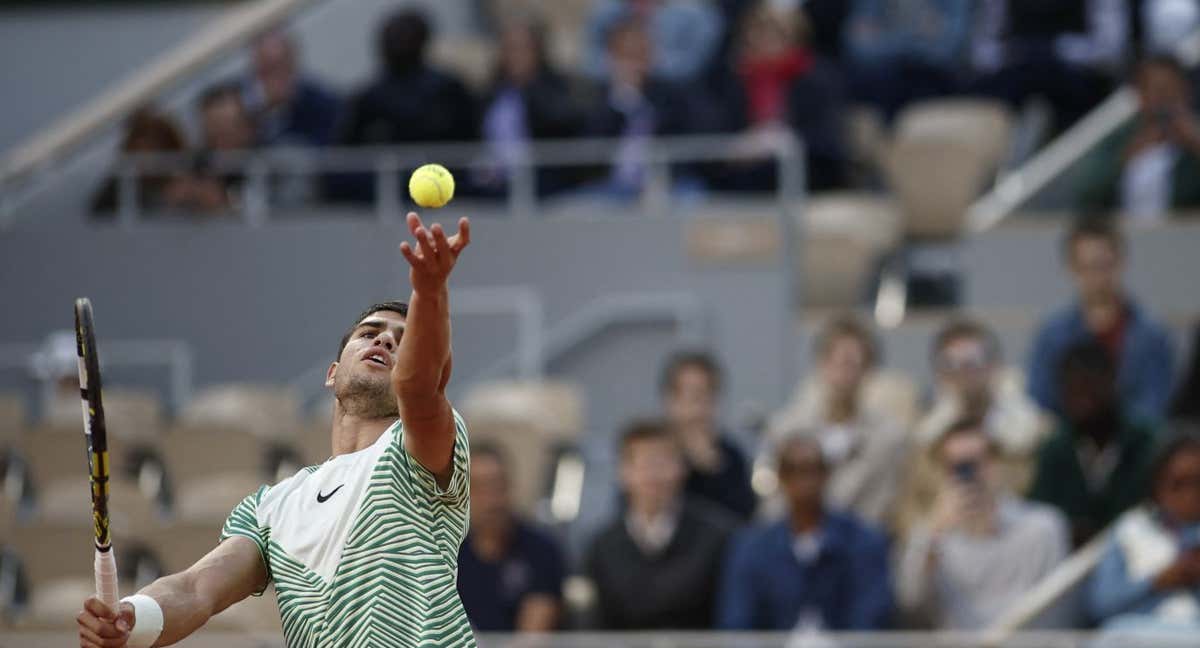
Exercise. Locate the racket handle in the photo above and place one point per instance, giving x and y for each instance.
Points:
(106, 578)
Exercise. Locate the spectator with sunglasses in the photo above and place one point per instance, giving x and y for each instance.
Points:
(981, 548)
(1149, 578)
(971, 382)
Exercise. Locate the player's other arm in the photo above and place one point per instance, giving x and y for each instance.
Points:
(228, 574)
(423, 358)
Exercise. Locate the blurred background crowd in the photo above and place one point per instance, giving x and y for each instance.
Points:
(876, 497)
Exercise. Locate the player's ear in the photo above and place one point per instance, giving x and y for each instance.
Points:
(330, 374)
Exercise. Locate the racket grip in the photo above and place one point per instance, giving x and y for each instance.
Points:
(106, 578)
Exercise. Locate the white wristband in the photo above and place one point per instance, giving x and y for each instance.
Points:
(147, 621)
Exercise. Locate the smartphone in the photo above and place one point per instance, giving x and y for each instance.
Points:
(966, 471)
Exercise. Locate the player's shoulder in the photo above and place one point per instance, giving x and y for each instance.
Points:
(268, 493)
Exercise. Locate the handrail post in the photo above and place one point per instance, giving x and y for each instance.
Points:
(656, 190)
(522, 190)
(256, 201)
(387, 187)
(791, 193)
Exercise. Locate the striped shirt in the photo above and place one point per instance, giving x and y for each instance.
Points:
(363, 549)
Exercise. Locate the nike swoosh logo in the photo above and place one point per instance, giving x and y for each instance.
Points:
(321, 498)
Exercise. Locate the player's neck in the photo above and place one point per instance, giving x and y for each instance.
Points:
(352, 433)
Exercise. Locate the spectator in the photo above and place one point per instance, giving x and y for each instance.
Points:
(971, 383)
(1166, 24)
(816, 569)
(289, 109)
(1149, 578)
(1151, 165)
(862, 443)
(903, 51)
(410, 101)
(1187, 399)
(1065, 51)
(528, 100)
(1094, 466)
(656, 566)
(635, 106)
(686, 34)
(509, 574)
(147, 131)
(227, 128)
(1141, 347)
(775, 84)
(690, 387)
(981, 549)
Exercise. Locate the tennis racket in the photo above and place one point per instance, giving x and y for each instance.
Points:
(97, 450)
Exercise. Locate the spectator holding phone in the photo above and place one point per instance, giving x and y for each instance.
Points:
(981, 548)
(1149, 578)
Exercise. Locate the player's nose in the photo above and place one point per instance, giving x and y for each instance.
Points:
(386, 340)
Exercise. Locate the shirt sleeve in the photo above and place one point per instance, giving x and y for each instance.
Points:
(457, 491)
(243, 522)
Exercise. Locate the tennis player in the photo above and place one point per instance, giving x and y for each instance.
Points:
(362, 549)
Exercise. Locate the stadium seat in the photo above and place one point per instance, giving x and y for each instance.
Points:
(253, 614)
(942, 154)
(129, 414)
(180, 544)
(60, 452)
(843, 236)
(66, 503)
(265, 411)
(528, 420)
(209, 499)
(12, 416)
(193, 452)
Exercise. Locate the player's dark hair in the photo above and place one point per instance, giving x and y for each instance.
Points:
(403, 40)
(697, 358)
(1093, 227)
(390, 306)
(1182, 442)
(1086, 357)
(961, 328)
(847, 325)
(644, 430)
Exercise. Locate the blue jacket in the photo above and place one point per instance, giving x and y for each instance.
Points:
(1113, 592)
(766, 587)
(1145, 368)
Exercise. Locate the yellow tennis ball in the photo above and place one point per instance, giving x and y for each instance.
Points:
(431, 186)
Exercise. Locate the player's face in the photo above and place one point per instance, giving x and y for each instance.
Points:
(652, 473)
(692, 400)
(362, 375)
(1178, 491)
(489, 491)
(844, 364)
(1096, 266)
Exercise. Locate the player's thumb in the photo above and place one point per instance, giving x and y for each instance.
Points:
(125, 618)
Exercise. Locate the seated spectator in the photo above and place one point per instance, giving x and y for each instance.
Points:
(1186, 405)
(509, 573)
(289, 108)
(1165, 25)
(863, 444)
(1065, 51)
(528, 100)
(685, 34)
(690, 387)
(635, 106)
(980, 549)
(1150, 166)
(226, 128)
(817, 569)
(773, 85)
(1149, 578)
(1141, 346)
(410, 101)
(1094, 465)
(146, 131)
(971, 383)
(902, 51)
(656, 566)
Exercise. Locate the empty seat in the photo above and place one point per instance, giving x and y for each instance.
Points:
(942, 155)
(67, 503)
(843, 237)
(252, 614)
(529, 420)
(129, 414)
(180, 544)
(193, 452)
(12, 416)
(58, 452)
(211, 498)
(262, 410)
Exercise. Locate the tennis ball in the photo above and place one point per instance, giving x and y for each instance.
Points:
(431, 186)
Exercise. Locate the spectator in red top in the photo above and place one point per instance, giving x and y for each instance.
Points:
(1139, 345)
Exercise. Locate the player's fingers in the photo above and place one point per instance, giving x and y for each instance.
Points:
(410, 254)
(98, 608)
(424, 243)
(89, 638)
(414, 222)
(439, 238)
(125, 618)
(463, 238)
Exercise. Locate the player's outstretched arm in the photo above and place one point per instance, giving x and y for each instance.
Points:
(229, 573)
(423, 357)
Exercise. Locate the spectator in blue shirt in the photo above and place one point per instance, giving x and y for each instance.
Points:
(814, 570)
(289, 108)
(1141, 346)
(1149, 578)
(509, 573)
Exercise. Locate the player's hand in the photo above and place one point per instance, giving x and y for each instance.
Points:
(434, 255)
(100, 627)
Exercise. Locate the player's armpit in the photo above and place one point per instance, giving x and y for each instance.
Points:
(227, 574)
(429, 434)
